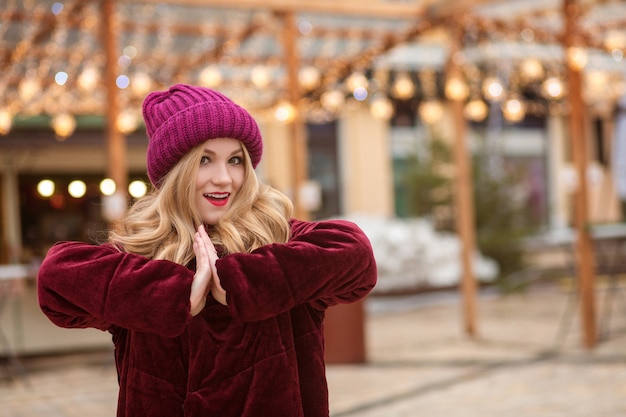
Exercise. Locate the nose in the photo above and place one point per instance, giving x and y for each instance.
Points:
(221, 174)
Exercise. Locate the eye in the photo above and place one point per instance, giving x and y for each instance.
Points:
(236, 160)
(204, 160)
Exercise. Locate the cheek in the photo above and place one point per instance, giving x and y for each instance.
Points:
(198, 201)
(238, 181)
(200, 181)
(202, 176)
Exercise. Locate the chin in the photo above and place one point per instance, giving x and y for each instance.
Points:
(211, 220)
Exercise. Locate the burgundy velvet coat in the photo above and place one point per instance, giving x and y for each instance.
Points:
(261, 355)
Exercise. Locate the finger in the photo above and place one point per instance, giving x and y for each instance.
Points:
(199, 247)
(213, 257)
(209, 244)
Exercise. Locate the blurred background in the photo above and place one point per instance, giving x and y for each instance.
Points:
(480, 144)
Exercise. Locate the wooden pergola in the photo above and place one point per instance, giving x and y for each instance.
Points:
(400, 23)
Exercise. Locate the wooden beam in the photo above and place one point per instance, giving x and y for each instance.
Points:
(187, 64)
(45, 28)
(464, 195)
(298, 132)
(442, 8)
(341, 68)
(116, 142)
(584, 250)
(465, 218)
(378, 9)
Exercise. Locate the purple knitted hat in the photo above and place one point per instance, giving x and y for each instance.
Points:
(185, 116)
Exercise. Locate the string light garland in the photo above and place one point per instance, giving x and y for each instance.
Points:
(238, 51)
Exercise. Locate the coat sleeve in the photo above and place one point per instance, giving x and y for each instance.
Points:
(323, 264)
(82, 285)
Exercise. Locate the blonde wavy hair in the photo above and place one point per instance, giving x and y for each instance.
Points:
(162, 224)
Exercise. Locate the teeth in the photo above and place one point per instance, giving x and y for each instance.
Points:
(216, 195)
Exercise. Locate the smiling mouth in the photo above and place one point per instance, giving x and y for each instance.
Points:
(217, 199)
(218, 196)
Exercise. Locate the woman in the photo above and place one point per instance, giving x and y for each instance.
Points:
(214, 295)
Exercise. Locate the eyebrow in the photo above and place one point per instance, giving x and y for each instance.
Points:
(237, 151)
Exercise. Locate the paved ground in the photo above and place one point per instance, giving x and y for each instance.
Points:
(420, 363)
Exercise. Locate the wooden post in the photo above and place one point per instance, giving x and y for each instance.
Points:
(344, 327)
(10, 212)
(116, 142)
(464, 198)
(465, 217)
(585, 258)
(297, 127)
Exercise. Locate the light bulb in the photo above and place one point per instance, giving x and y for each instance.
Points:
(430, 111)
(137, 188)
(107, 186)
(493, 89)
(456, 89)
(285, 112)
(45, 188)
(210, 76)
(332, 100)
(63, 124)
(553, 88)
(381, 107)
(77, 188)
(476, 110)
(309, 77)
(6, 121)
(514, 109)
(403, 87)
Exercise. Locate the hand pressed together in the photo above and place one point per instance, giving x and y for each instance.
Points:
(206, 278)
